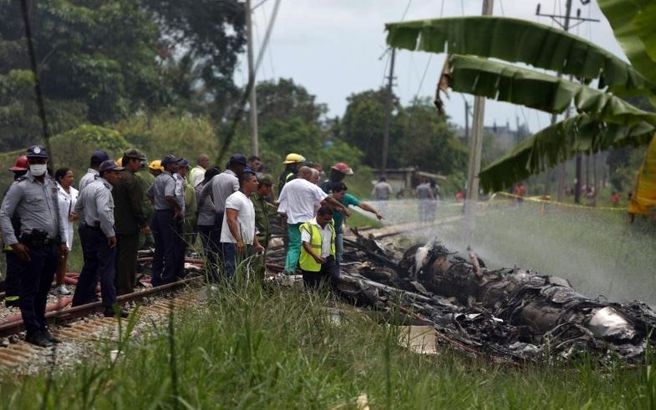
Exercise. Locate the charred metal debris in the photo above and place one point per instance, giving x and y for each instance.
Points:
(504, 314)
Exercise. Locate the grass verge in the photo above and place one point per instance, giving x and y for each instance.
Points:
(281, 349)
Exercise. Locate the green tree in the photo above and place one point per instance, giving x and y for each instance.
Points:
(283, 99)
(363, 124)
(199, 43)
(96, 62)
(427, 141)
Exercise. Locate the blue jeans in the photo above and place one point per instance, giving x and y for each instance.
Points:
(99, 263)
(231, 258)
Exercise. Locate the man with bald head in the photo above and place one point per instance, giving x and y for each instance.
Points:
(298, 200)
(197, 173)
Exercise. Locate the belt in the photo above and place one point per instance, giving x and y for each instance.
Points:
(95, 225)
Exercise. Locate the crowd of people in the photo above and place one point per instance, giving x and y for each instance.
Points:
(124, 204)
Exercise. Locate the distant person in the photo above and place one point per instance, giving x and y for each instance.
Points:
(425, 197)
(293, 163)
(67, 196)
(297, 204)
(198, 172)
(317, 258)
(615, 198)
(155, 168)
(382, 190)
(97, 158)
(519, 191)
(264, 213)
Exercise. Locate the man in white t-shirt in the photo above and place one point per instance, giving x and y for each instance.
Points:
(238, 236)
(298, 201)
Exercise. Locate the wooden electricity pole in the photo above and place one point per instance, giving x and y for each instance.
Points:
(388, 113)
(255, 147)
(476, 143)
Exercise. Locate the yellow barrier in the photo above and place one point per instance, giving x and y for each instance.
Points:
(541, 200)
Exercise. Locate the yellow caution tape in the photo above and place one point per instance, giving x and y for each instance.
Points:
(542, 200)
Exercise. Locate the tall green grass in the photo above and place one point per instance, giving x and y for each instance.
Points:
(251, 348)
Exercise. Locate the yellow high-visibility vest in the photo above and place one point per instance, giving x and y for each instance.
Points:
(306, 260)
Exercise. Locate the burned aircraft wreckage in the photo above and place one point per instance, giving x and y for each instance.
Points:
(510, 314)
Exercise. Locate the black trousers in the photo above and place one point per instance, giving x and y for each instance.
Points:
(167, 232)
(209, 236)
(37, 273)
(126, 262)
(329, 274)
(14, 274)
(99, 263)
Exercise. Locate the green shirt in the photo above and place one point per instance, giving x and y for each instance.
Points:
(338, 217)
(145, 180)
(264, 211)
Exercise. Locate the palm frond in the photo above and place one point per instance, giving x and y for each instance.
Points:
(558, 143)
(528, 87)
(516, 40)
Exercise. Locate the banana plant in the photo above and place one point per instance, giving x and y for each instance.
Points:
(475, 46)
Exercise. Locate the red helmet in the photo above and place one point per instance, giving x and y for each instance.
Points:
(20, 165)
(343, 168)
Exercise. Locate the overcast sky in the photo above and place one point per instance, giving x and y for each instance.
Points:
(335, 48)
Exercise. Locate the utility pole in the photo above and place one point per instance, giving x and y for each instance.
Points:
(476, 143)
(467, 120)
(255, 148)
(388, 113)
(566, 25)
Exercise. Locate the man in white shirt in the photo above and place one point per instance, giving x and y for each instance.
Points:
(197, 173)
(239, 236)
(298, 200)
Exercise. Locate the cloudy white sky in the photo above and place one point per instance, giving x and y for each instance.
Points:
(337, 47)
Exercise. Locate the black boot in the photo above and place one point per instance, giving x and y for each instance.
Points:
(38, 338)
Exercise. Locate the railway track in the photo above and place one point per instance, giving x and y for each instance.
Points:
(81, 325)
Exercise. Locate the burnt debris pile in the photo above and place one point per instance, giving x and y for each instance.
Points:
(508, 314)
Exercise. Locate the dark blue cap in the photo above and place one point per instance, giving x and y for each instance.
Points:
(99, 156)
(37, 151)
(183, 163)
(169, 159)
(238, 159)
(109, 165)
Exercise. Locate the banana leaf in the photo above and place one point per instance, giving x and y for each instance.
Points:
(633, 25)
(534, 89)
(516, 40)
(558, 143)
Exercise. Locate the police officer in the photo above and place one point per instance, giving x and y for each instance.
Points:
(166, 225)
(97, 158)
(130, 219)
(95, 206)
(34, 199)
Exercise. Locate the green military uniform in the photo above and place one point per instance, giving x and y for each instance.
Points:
(264, 212)
(145, 180)
(129, 218)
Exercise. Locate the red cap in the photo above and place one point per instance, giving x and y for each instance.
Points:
(20, 165)
(343, 168)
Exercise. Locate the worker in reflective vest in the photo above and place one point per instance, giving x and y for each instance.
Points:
(317, 259)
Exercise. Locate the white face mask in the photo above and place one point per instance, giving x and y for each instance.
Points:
(38, 169)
